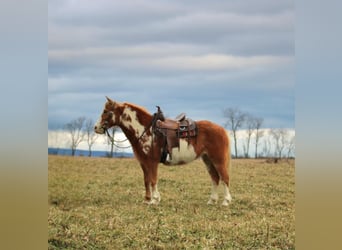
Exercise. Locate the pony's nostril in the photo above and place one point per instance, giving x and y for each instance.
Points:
(95, 127)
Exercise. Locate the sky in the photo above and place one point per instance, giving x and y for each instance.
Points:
(197, 57)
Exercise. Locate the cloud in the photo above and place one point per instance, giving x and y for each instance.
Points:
(214, 62)
(161, 58)
(216, 25)
(183, 55)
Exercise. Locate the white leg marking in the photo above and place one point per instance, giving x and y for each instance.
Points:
(227, 196)
(155, 196)
(214, 194)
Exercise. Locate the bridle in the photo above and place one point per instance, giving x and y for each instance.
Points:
(111, 138)
(156, 116)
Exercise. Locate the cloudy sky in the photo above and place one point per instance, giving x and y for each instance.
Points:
(197, 57)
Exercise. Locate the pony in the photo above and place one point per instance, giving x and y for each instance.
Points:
(211, 143)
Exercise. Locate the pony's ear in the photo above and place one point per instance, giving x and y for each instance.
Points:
(110, 100)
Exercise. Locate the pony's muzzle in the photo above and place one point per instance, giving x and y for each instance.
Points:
(99, 129)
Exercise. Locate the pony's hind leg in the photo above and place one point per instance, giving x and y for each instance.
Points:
(218, 172)
(227, 197)
(152, 195)
(224, 174)
(215, 179)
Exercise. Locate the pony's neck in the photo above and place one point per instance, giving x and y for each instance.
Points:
(134, 123)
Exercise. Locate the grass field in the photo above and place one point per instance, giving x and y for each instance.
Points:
(97, 203)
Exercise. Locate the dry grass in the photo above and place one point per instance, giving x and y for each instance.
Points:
(96, 203)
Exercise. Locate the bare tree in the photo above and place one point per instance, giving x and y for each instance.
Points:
(250, 125)
(77, 135)
(91, 136)
(111, 143)
(266, 150)
(54, 140)
(291, 146)
(258, 133)
(235, 119)
(279, 136)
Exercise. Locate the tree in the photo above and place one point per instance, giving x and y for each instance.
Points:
(54, 140)
(253, 125)
(266, 150)
(111, 142)
(250, 125)
(291, 146)
(235, 119)
(280, 136)
(91, 136)
(258, 133)
(77, 135)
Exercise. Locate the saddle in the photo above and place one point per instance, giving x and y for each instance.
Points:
(172, 130)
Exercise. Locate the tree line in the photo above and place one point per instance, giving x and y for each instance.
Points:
(283, 142)
(81, 129)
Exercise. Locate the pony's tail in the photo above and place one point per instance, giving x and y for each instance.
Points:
(230, 159)
(229, 155)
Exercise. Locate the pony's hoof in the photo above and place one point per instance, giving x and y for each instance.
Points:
(152, 202)
(225, 203)
(146, 202)
(212, 202)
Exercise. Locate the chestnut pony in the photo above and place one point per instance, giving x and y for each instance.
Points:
(211, 144)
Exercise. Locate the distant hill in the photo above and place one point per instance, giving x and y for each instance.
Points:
(79, 152)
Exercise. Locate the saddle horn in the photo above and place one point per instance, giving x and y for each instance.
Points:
(160, 114)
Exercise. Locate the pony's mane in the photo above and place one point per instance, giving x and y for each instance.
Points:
(136, 107)
(142, 114)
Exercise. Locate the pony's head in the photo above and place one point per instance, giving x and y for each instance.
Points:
(109, 117)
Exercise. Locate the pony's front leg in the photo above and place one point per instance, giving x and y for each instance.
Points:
(214, 194)
(154, 186)
(147, 182)
(147, 192)
(155, 195)
(227, 196)
(152, 195)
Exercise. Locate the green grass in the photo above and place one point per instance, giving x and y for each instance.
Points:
(97, 203)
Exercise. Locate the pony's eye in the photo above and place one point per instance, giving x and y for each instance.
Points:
(105, 111)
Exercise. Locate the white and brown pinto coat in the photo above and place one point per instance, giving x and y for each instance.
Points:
(211, 144)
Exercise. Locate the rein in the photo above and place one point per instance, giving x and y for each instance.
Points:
(113, 141)
(156, 116)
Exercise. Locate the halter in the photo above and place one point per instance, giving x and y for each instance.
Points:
(156, 116)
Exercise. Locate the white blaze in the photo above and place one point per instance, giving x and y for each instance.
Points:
(98, 126)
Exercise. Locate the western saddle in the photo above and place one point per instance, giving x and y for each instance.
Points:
(172, 130)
